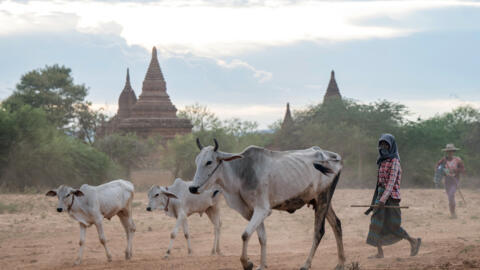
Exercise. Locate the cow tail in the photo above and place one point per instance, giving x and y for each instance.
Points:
(332, 188)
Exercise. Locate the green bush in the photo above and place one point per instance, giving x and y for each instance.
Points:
(38, 155)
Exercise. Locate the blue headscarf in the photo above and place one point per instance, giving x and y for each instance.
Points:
(392, 152)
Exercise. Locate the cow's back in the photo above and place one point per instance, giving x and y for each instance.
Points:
(114, 196)
(287, 175)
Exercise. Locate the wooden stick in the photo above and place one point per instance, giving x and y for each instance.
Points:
(376, 206)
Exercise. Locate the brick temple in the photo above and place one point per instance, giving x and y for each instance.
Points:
(152, 113)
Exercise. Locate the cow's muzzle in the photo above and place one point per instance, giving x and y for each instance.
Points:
(59, 210)
(149, 209)
(193, 190)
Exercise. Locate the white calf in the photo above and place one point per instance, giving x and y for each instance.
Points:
(90, 204)
(178, 202)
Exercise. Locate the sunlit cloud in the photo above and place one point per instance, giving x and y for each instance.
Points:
(431, 107)
(218, 29)
(261, 75)
(208, 29)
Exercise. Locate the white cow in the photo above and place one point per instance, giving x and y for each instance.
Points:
(258, 180)
(177, 202)
(90, 204)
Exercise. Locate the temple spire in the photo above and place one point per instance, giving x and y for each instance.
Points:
(287, 120)
(332, 89)
(127, 98)
(154, 80)
(128, 86)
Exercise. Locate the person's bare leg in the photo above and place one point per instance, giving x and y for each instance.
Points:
(414, 245)
(379, 254)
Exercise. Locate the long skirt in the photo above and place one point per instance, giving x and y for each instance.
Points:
(385, 226)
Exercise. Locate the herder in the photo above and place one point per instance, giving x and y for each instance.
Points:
(452, 167)
(385, 223)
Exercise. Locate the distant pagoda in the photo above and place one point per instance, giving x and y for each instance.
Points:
(332, 90)
(287, 119)
(152, 114)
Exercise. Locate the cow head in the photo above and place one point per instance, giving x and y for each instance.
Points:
(65, 196)
(209, 162)
(158, 198)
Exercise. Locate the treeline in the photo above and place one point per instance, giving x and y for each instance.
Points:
(352, 129)
(47, 137)
(349, 128)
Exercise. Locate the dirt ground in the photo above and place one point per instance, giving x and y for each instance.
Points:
(35, 236)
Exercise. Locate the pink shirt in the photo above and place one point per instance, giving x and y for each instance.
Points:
(453, 167)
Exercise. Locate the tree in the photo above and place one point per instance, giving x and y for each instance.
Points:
(87, 122)
(51, 89)
(127, 150)
(200, 117)
(38, 155)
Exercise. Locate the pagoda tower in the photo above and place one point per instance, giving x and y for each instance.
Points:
(127, 99)
(332, 89)
(287, 120)
(154, 113)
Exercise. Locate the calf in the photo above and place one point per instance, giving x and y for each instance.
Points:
(178, 202)
(90, 204)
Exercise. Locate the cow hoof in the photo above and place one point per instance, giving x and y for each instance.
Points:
(77, 262)
(303, 268)
(340, 267)
(190, 252)
(249, 266)
(165, 257)
(128, 256)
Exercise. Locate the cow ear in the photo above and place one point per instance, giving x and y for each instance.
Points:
(51, 193)
(232, 157)
(78, 193)
(168, 193)
(171, 195)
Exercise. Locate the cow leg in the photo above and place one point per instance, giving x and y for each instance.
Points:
(174, 234)
(258, 217)
(129, 226)
(213, 214)
(319, 230)
(337, 230)
(187, 236)
(103, 240)
(83, 230)
(262, 238)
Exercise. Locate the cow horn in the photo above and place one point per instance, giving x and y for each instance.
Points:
(200, 146)
(216, 145)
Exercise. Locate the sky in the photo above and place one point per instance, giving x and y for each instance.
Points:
(247, 59)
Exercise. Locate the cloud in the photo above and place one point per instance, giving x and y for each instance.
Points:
(108, 109)
(431, 107)
(219, 28)
(261, 75)
(263, 114)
